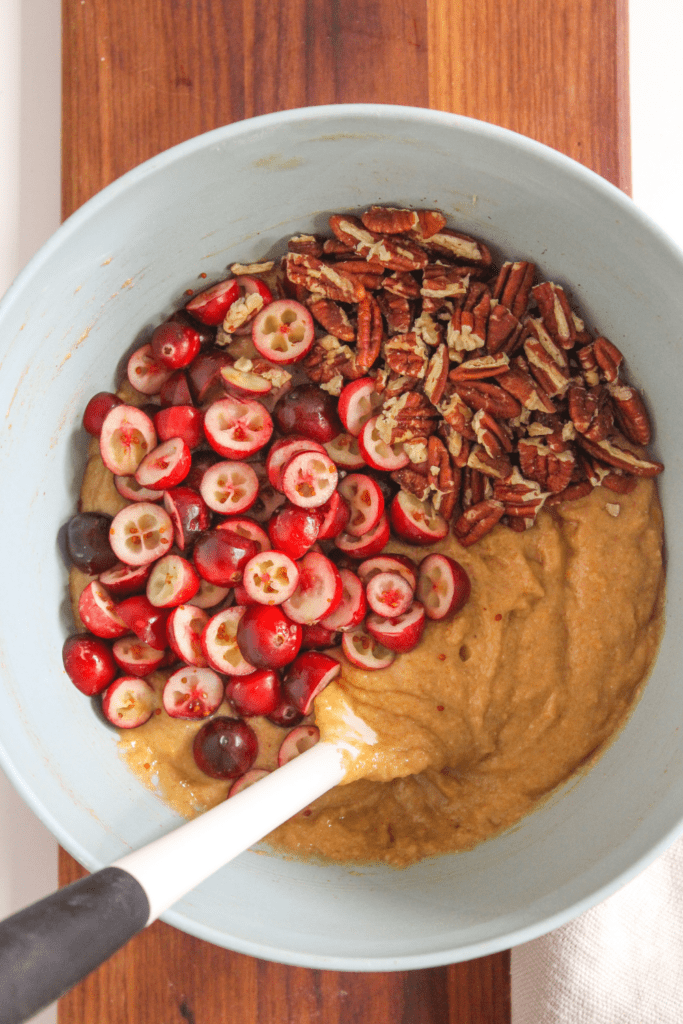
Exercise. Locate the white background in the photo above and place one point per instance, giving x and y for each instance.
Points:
(30, 79)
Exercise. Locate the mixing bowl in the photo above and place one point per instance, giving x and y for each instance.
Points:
(124, 260)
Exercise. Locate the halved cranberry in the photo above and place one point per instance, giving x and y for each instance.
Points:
(443, 586)
(89, 663)
(388, 563)
(98, 612)
(316, 636)
(285, 715)
(259, 693)
(220, 556)
(282, 451)
(335, 516)
(267, 637)
(209, 596)
(225, 748)
(184, 628)
(389, 594)
(307, 676)
(294, 530)
(131, 490)
(246, 527)
(365, 501)
(192, 692)
(309, 411)
(319, 590)
(135, 657)
(309, 479)
(127, 435)
(211, 305)
(247, 780)
(204, 374)
(377, 453)
(123, 580)
(400, 633)
(345, 453)
(145, 372)
(175, 390)
(173, 581)
(296, 742)
(358, 402)
(141, 533)
(183, 421)
(174, 344)
(166, 466)
(244, 383)
(87, 542)
(364, 651)
(229, 487)
(283, 331)
(416, 521)
(142, 618)
(96, 411)
(270, 577)
(219, 643)
(371, 543)
(268, 502)
(237, 428)
(351, 609)
(189, 514)
(128, 702)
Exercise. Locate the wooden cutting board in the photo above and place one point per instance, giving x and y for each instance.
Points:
(142, 75)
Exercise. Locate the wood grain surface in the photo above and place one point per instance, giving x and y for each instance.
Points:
(142, 75)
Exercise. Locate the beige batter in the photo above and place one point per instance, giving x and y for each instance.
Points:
(489, 713)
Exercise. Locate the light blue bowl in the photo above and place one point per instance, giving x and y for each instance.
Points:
(126, 258)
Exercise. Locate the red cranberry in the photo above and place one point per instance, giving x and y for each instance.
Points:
(220, 556)
(174, 344)
(142, 618)
(309, 411)
(175, 390)
(259, 693)
(294, 530)
(89, 663)
(225, 748)
(201, 461)
(97, 409)
(189, 514)
(207, 333)
(285, 714)
(87, 542)
(205, 372)
(267, 638)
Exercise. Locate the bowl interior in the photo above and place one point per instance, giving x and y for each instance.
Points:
(123, 261)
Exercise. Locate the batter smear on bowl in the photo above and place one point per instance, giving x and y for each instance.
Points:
(380, 482)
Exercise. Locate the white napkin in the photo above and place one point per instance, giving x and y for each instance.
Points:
(619, 963)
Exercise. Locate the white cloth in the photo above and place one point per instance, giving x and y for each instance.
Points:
(619, 963)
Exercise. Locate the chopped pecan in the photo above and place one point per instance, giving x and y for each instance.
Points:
(456, 412)
(490, 397)
(329, 359)
(403, 284)
(457, 445)
(442, 478)
(608, 358)
(321, 277)
(477, 521)
(556, 313)
(391, 385)
(519, 382)
(306, 245)
(370, 333)
(389, 220)
(413, 479)
(571, 493)
(589, 364)
(465, 333)
(429, 222)
(476, 487)
(396, 310)
(547, 361)
(631, 413)
(480, 367)
(620, 483)
(523, 499)
(437, 375)
(333, 318)
(537, 461)
(369, 275)
(503, 329)
(392, 253)
(590, 411)
(242, 311)
(333, 247)
(460, 248)
(497, 466)
(493, 436)
(408, 416)
(441, 282)
(513, 286)
(621, 457)
(428, 330)
(407, 354)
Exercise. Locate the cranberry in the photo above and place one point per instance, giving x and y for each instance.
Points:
(206, 332)
(220, 556)
(225, 748)
(257, 694)
(294, 530)
(205, 372)
(175, 390)
(266, 637)
(89, 663)
(201, 461)
(179, 421)
(285, 714)
(142, 618)
(97, 409)
(309, 411)
(87, 542)
(307, 676)
(175, 345)
(189, 514)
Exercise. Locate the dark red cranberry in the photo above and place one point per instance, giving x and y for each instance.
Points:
(201, 461)
(317, 637)
(207, 334)
(89, 663)
(189, 514)
(96, 410)
(285, 715)
(145, 620)
(174, 344)
(225, 748)
(205, 373)
(87, 542)
(220, 556)
(257, 694)
(294, 530)
(175, 390)
(309, 411)
(267, 638)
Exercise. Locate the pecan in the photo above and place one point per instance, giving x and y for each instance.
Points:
(589, 364)
(497, 466)
(523, 499)
(429, 222)
(571, 493)
(391, 385)
(333, 318)
(329, 359)
(489, 397)
(476, 487)
(502, 330)
(396, 310)
(306, 245)
(547, 361)
(442, 478)
(364, 271)
(480, 368)
(406, 354)
(621, 457)
(389, 220)
(513, 286)
(456, 412)
(590, 411)
(465, 333)
(414, 480)
(457, 445)
(494, 437)
(631, 413)
(477, 521)
(390, 252)
(370, 333)
(608, 358)
(333, 247)
(552, 469)
(408, 416)
(428, 330)
(441, 282)
(402, 284)
(321, 277)
(460, 248)
(556, 314)
(437, 375)
(619, 482)
(242, 310)
(519, 382)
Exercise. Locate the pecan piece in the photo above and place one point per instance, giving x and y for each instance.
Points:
(306, 245)
(608, 358)
(494, 437)
(571, 493)
(407, 355)
(321, 277)
(631, 413)
(556, 313)
(426, 327)
(456, 412)
(621, 457)
(406, 417)
(519, 382)
(537, 461)
(403, 284)
(389, 220)
(480, 368)
(389, 251)
(442, 282)
(589, 364)
(590, 411)
(513, 286)
(329, 359)
(442, 478)
(369, 275)
(489, 397)
(414, 480)
(437, 375)
(333, 318)
(477, 521)
(396, 310)
(370, 333)
(497, 466)
(460, 248)
(547, 361)
(523, 499)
